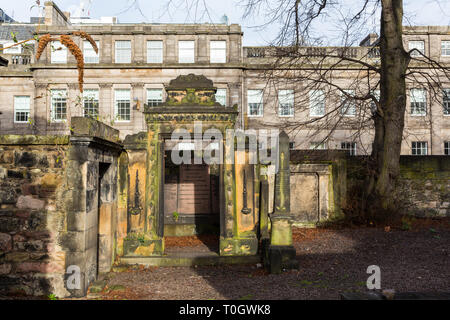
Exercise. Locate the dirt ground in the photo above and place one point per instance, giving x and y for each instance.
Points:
(332, 261)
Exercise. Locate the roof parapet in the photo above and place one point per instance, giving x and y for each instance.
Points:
(54, 16)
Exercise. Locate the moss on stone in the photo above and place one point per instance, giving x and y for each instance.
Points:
(33, 140)
(281, 232)
(238, 246)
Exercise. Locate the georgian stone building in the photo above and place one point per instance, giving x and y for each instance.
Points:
(136, 61)
(87, 180)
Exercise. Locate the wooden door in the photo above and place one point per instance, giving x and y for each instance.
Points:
(194, 190)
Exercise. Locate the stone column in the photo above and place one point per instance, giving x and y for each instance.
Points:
(239, 235)
(264, 209)
(281, 251)
(227, 210)
(264, 234)
(148, 239)
(122, 201)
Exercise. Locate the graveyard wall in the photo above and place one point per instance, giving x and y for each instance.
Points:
(32, 214)
(58, 209)
(424, 184)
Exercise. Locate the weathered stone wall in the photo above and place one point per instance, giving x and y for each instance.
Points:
(323, 184)
(58, 209)
(424, 185)
(32, 214)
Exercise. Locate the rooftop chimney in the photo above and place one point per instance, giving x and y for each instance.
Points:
(370, 40)
(54, 16)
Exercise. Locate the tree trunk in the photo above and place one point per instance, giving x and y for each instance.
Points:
(389, 120)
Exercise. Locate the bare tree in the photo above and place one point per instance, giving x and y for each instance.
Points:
(380, 74)
(386, 66)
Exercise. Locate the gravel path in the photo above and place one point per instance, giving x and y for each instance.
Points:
(331, 262)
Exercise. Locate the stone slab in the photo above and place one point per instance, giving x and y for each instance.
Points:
(190, 259)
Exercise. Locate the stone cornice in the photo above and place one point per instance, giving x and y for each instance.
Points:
(41, 85)
(129, 66)
(96, 143)
(73, 86)
(105, 85)
(137, 85)
(190, 115)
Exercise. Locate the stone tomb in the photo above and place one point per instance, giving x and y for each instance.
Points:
(181, 199)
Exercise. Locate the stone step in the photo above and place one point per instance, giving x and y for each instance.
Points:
(190, 259)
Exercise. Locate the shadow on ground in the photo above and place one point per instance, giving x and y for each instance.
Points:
(331, 262)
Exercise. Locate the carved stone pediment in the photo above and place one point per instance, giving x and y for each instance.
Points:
(191, 90)
(191, 81)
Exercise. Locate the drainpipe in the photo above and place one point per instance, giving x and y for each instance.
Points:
(318, 195)
(431, 128)
(431, 105)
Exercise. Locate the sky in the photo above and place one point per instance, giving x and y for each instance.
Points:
(417, 12)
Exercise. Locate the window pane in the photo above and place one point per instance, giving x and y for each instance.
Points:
(286, 103)
(350, 146)
(221, 96)
(348, 107)
(13, 50)
(122, 105)
(447, 148)
(58, 52)
(316, 103)
(154, 97)
(89, 54)
(186, 53)
(419, 45)
(419, 148)
(218, 44)
(90, 100)
(59, 105)
(377, 95)
(123, 51)
(418, 102)
(218, 51)
(445, 48)
(317, 146)
(154, 51)
(255, 102)
(21, 108)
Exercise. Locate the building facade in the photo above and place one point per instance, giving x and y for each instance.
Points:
(136, 61)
